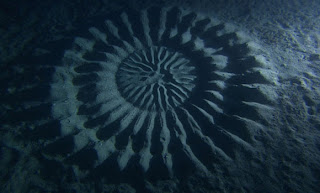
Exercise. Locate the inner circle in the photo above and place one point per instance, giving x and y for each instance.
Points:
(156, 79)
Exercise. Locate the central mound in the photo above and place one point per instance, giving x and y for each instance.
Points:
(156, 79)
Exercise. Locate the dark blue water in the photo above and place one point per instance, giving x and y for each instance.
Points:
(94, 99)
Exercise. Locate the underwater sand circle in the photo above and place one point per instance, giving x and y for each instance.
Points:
(162, 88)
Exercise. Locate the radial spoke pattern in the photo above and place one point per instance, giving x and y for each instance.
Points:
(158, 90)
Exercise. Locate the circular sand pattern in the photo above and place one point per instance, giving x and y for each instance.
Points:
(164, 90)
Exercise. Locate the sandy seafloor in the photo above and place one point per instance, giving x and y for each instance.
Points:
(287, 153)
